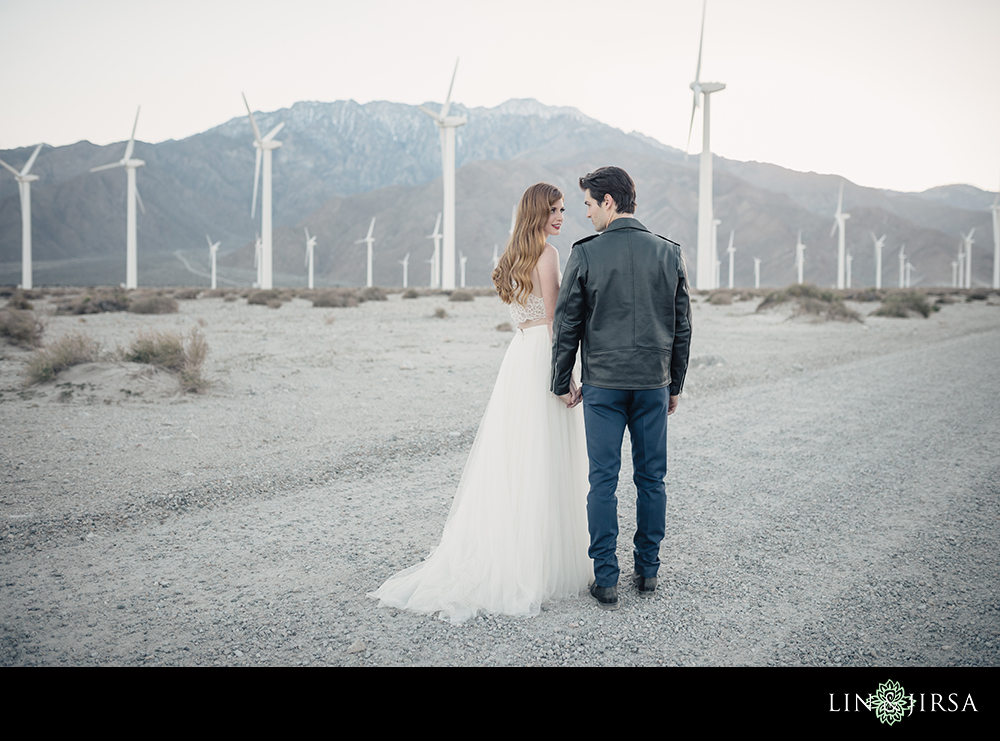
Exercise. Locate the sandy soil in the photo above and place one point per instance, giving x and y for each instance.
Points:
(833, 494)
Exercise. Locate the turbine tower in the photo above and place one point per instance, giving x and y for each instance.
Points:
(706, 255)
(461, 259)
(732, 254)
(968, 240)
(849, 261)
(370, 240)
(405, 262)
(435, 260)
(24, 181)
(310, 255)
(902, 266)
(995, 208)
(756, 272)
(258, 263)
(130, 165)
(800, 257)
(839, 225)
(213, 250)
(879, 242)
(446, 127)
(265, 145)
(716, 262)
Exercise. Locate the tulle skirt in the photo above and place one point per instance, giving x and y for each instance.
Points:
(516, 535)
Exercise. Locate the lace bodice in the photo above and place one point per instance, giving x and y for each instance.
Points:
(534, 308)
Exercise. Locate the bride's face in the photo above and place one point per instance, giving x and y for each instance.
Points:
(555, 218)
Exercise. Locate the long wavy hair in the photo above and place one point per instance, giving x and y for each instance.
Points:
(512, 276)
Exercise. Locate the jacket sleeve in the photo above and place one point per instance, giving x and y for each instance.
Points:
(682, 329)
(569, 322)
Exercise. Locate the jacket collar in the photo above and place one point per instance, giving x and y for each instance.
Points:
(625, 222)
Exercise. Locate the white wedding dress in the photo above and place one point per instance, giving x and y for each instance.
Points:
(517, 533)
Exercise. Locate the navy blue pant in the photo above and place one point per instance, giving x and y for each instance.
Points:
(607, 412)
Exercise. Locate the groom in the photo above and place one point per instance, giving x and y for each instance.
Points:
(625, 297)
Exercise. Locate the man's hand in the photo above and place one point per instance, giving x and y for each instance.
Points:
(672, 405)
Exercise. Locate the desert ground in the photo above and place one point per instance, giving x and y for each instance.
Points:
(832, 494)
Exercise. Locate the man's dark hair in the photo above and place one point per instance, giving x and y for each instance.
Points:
(614, 181)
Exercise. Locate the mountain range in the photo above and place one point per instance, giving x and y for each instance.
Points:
(342, 163)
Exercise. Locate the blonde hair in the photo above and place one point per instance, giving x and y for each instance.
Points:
(512, 276)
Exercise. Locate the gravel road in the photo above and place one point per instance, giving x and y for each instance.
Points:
(832, 496)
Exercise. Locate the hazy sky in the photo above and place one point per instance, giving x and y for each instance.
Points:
(900, 94)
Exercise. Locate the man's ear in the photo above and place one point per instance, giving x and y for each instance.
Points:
(609, 202)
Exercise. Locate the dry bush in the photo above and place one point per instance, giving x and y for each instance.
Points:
(865, 294)
(440, 313)
(372, 293)
(169, 351)
(720, 298)
(231, 297)
(976, 294)
(153, 304)
(263, 296)
(904, 304)
(273, 303)
(186, 294)
(505, 327)
(96, 301)
(410, 293)
(21, 327)
(69, 350)
(334, 298)
(20, 300)
(810, 300)
(461, 295)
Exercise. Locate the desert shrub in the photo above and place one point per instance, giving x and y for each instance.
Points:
(261, 297)
(21, 300)
(230, 297)
(217, 293)
(69, 350)
(168, 350)
(21, 327)
(865, 294)
(410, 293)
(440, 313)
(977, 294)
(186, 294)
(334, 298)
(905, 304)
(461, 295)
(273, 303)
(505, 327)
(810, 300)
(96, 301)
(720, 298)
(153, 304)
(372, 293)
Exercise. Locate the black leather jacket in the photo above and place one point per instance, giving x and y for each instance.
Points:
(625, 297)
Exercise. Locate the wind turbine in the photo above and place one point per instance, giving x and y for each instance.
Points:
(310, 255)
(968, 240)
(265, 145)
(405, 262)
(909, 269)
(954, 274)
(461, 259)
(435, 260)
(902, 266)
(839, 225)
(800, 257)
(213, 249)
(370, 240)
(732, 254)
(706, 255)
(961, 265)
(879, 242)
(24, 181)
(756, 272)
(130, 165)
(849, 261)
(995, 208)
(446, 126)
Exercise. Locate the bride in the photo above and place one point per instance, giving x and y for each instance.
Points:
(517, 533)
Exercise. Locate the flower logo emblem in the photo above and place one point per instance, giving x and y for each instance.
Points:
(891, 702)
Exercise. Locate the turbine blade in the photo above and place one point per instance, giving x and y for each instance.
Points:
(694, 107)
(209, 240)
(370, 228)
(840, 198)
(437, 225)
(131, 140)
(447, 100)
(31, 160)
(106, 167)
(256, 178)
(273, 132)
(701, 42)
(138, 198)
(307, 233)
(256, 131)
(436, 116)
(13, 171)
(833, 229)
